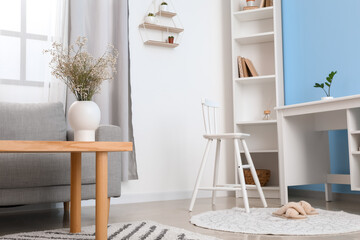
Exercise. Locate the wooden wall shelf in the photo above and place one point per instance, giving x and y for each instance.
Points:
(161, 28)
(166, 24)
(161, 44)
(166, 14)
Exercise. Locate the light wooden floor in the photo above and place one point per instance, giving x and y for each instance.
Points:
(173, 213)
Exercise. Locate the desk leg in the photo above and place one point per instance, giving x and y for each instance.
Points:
(328, 192)
(284, 196)
(101, 214)
(75, 193)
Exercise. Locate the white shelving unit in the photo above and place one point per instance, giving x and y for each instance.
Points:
(257, 35)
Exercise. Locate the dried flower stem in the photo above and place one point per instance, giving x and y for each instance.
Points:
(81, 72)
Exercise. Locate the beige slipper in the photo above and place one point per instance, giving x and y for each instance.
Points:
(292, 210)
(291, 213)
(308, 208)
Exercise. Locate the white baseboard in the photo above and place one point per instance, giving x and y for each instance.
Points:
(155, 197)
(125, 198)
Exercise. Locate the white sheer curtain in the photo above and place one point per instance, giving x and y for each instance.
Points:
(27, 27)
(106, 22)
(57, 91)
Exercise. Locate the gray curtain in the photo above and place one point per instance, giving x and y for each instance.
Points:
(105, 22)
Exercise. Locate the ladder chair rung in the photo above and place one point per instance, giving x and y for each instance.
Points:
(246, 166)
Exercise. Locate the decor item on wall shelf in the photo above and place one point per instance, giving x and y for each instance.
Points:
(250, 7)
(156, 32)
(163, 6)
(266, 115)
(150, 18)
(83, 74)
(250, 3)
(328, 83)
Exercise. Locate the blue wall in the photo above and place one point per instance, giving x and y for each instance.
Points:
(319, 37)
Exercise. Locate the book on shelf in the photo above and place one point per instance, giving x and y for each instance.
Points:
(243, 64)
(246, 68)
(262, 3)
(241, 71)
(268, 3)
(251, 68)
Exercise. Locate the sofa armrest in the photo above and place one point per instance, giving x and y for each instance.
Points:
(108, 133)
(103, 133)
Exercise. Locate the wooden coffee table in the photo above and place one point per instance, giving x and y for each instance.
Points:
(76, 148)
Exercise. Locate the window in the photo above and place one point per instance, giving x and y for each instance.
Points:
(27, 27)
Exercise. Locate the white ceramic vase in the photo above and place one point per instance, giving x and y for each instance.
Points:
(163, 8)
(326, 98)
(84, 118)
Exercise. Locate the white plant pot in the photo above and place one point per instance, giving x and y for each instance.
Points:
(163, 8)
(150, 19)
(326, 98)
(84, 118)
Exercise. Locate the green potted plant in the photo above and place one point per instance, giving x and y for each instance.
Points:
(150, 18)
(171, 39)
(163, 6)
(83, 74)
(328, 83)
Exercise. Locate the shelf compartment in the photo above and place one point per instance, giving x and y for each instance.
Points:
(262, 139)
(254, 80)
(260, 122)
(262, 151)
(161, 28)
(161, 44)
(166, 14)
(256, 38)
(257, 14)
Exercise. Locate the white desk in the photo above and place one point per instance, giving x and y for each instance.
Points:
(304, 145)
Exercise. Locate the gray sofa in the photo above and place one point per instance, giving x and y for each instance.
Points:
(45, 178)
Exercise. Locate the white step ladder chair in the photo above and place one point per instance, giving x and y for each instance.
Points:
(209, 115)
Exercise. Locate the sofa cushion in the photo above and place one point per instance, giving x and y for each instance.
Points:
(35, 121)
(40, 121)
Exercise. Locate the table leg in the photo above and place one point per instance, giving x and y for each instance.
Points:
(101, 195)
(75, 193)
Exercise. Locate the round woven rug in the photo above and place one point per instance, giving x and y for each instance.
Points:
(261, 221)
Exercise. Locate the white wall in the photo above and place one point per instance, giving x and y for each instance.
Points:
(167, 86)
